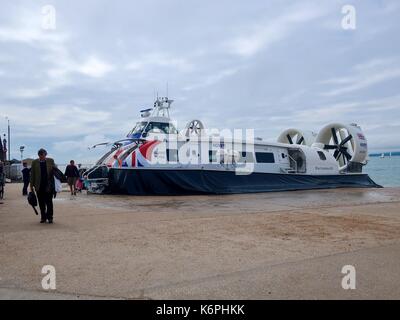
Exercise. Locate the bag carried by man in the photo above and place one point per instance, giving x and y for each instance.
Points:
(59, 177)
(57, 185)
(32, 200)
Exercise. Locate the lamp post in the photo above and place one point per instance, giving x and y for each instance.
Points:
(9, 141)
(4, 148)
(21, 148)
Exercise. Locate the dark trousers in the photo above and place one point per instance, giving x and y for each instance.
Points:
(25, 188)
(45, 200)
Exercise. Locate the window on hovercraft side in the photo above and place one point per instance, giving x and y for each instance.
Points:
(212, 156)
(265, 157)
(246, 156)
(172, 155)
(321, 155)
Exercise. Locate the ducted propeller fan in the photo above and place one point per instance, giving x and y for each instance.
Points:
(194, 127)
(295, 136)
(346, 143)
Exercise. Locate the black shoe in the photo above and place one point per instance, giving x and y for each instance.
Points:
(42, 221)
(50, 220)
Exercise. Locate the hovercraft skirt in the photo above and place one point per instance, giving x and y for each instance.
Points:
(189, 182)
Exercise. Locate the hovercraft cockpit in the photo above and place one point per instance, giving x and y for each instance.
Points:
(155, 120)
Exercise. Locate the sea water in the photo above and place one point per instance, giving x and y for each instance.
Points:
(384, 171)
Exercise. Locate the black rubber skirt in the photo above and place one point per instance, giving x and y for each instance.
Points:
(186, 182)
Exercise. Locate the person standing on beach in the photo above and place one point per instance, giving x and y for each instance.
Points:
(117, 162)
(26, 177)
(42, 181)
(72, 174)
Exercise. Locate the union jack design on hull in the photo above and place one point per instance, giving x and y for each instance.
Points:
(142, 156)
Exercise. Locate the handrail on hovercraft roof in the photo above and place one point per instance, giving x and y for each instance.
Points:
(117, 144)
(160, 107)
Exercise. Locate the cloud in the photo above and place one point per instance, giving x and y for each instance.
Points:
(78, 149)
(94, 67)
(63, 65)
(267, 66)
(155, 60)
(363, 76)
(266, 33)
(32, 36)
(55, 121)
(81, 144)
(28, 93)
(212, 79)
(371, 113)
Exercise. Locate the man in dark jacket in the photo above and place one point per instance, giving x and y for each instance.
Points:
(42, 181)
(26, 177)
(1, 168)
(1, 178)
(72, 174)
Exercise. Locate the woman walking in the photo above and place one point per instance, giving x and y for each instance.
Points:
(72, 174)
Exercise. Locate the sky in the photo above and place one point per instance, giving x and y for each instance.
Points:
(267, 65)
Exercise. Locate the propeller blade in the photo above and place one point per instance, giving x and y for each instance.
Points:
(289, 138)
(334, 136)
(329, 146)
(346, 140)
(344, 158)
(347, 155)
(336, 153)
(300, 140)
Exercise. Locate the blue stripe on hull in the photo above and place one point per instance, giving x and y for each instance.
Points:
(185, 182)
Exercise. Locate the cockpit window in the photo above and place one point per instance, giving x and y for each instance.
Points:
(153, 127)
(138, 128)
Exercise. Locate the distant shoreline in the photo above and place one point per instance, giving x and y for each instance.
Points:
(386, 154)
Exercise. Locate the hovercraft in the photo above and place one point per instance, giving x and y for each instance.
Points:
(157, 159)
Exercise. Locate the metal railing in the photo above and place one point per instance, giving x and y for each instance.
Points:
(96, 184)
(295, 163)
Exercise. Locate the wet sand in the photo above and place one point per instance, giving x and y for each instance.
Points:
(286, 245)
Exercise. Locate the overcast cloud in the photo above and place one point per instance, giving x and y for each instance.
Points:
(267, 65)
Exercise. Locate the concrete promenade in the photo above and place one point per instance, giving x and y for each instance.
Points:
(286, 245)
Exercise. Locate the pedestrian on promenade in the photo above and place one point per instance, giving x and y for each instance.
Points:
(42, 182)
(26, 177)
(2, 179)
(117, 162)
(72, 174)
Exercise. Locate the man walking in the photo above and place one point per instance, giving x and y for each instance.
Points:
(26, 177)
(72, 174)
(42, 181)
(2, 182)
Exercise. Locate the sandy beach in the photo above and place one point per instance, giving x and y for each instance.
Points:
(286, 245)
